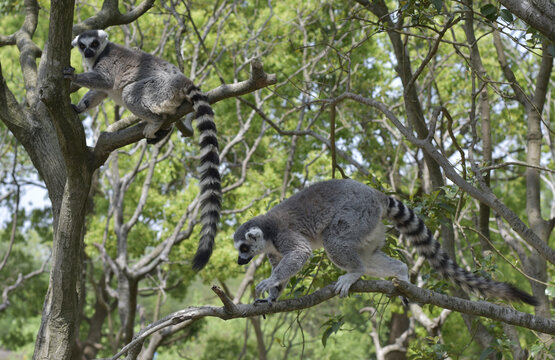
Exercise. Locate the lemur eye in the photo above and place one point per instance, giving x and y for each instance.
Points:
(244, 248)
(94, 44)
(82, 46)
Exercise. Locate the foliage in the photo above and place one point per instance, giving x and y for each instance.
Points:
(320, 50)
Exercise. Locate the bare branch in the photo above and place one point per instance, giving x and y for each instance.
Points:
(395, 288)
(479, 308)
(110, 15)
(15, 213)
(20, 279)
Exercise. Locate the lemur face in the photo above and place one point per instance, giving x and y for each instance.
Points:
(91, 43)
(249, 241)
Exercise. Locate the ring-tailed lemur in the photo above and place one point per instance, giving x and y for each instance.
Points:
(344, 216)
(152, 88)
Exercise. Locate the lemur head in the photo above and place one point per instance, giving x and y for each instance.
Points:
(252, 238)
(91, 43)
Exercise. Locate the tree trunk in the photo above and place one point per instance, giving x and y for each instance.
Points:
(539, 226)
(399, 324)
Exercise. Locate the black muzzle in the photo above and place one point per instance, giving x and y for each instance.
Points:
(243, 261)
(88, 53)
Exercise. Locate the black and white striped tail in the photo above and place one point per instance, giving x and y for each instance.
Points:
(421, 237)
(210, 180)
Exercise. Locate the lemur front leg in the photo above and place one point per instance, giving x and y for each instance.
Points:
(282, 270)
(91, 99)
(91, 80)
(273, 292)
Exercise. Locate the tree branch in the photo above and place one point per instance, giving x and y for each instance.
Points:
(20, 279)
(539, 14)
(110, 15)
(395, 288)
(484, 195)
(108, 142)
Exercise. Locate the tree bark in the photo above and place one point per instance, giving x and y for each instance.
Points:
(484, 109)
(539, 14)
(399, 324)
(542, 228)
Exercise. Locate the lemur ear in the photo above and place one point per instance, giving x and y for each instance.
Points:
(74, 42)
(102, 34)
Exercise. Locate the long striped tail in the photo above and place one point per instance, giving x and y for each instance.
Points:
(210, 180)
(421, 237)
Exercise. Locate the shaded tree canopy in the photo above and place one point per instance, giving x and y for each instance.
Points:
(445, 105)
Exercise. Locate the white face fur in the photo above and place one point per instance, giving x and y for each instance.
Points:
(91, 44)
(251, 245)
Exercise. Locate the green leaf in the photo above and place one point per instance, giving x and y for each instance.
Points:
(506, 15)
(535, 349)
(325, 336)
(334, 325)
(489, 11)
(438, 4)
(486, 353)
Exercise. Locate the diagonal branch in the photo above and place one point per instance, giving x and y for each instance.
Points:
(20, 279)
(484, 195)
(539, 14)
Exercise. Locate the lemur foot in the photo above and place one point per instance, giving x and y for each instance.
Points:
(264, 301)
(159, 135)
(344, 283)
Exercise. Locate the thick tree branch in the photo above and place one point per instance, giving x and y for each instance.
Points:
(539, 14)
(479, 308)
(108, 142)
(110, 15)
(395, 288)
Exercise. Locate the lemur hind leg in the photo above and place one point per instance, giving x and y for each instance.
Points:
(380, 265)
(156, 100)
(344, 250)
(356, 249)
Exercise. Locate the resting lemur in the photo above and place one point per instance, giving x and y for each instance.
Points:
(152, 89)
(345, 217)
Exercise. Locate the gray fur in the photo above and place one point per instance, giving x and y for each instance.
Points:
(152, 88)
(345, 217)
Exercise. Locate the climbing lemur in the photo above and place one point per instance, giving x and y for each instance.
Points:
(153, 89)
(345, 217)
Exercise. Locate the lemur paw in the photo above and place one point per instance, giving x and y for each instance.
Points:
(266, 285)
(151, 129)
(344, 283)
(159, 135)
(69, 73)
(342, 289)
